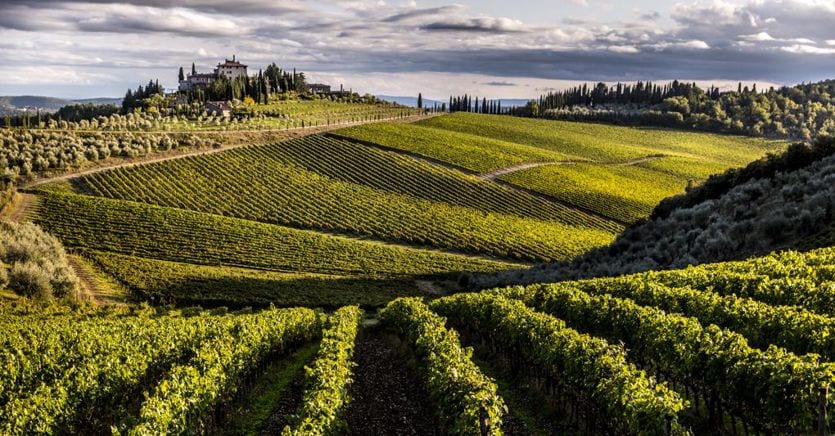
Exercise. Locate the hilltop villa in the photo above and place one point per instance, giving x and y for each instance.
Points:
(230, 69)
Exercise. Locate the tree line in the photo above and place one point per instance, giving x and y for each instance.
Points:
(803, 111)
(466, 103)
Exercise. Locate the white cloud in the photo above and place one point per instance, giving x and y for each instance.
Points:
(808, 49)
(762, 36)
(622, 49)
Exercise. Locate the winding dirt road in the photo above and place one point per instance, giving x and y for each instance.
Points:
(493, 175)
(280, 134)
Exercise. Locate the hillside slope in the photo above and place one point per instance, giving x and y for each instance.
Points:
(780, 202)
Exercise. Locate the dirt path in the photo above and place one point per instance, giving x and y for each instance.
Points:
(386, 395)
(636, 161)
(20, 207)
(284, 133)
(494, 175)
(87, 287)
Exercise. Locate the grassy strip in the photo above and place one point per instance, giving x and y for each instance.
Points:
(251, 415)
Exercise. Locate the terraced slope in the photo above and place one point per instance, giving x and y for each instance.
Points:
(578, 164)
(622, 193)
(320, 183)
(469, 151)
(605, 143)
(185, 283)
(193, 237)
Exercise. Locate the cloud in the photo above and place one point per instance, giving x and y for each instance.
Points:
(808, 49)
(419, 13)
(783, 41)
(128, 18)
(762, 36)
(623, 49)
(502, 83)
(485, 25)
(651, 16)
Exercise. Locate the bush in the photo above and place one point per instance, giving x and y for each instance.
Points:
(40, 268)
(30, 280)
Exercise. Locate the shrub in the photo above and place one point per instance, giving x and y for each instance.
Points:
(30, 280)
(40, 268)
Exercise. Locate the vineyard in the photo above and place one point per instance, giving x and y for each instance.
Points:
(622, 193)
(56, 146)
(383, 217)
(674, 352)
(474, 153)
(321, 183)
(616, 172)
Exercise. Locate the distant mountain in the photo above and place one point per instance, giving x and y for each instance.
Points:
(18, 103)
(412, 101)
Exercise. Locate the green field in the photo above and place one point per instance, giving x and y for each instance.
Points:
(212, 259)
(605, 143)
(641, 352)
(617, 172)
(472, 152)
(185, 284)
(623, 193)
(324, 184)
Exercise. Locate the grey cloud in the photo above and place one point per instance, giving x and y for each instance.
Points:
(211, 6)
(417, 13)
(774, 66)
(651, 16)
(478, 25)
(360, 39)
(498, 83)
(720, 23)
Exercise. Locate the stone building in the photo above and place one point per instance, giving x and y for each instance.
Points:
(229, 69)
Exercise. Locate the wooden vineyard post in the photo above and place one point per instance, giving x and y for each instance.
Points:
(823, 429)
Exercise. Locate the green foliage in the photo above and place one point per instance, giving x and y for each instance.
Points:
(30, 152)
(184, 283)
(468, 400)
(4, 275)
(793, 158)
(584, 366)
(204, 239)
(78, 372)
(329, 376)
(468, 151)
(793, 328)
(772, 389)
(39, 267)
(353, 189)
(803, 111)
(788, 278)
(29, 280)
(185, 400)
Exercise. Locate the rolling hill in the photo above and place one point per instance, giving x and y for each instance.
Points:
(398, 218)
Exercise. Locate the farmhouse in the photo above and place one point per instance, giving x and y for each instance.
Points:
(318, 88)
(229, 69)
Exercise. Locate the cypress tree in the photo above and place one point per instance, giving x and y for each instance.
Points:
(181, 76)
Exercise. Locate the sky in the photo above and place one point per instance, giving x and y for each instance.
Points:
(491, 48)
